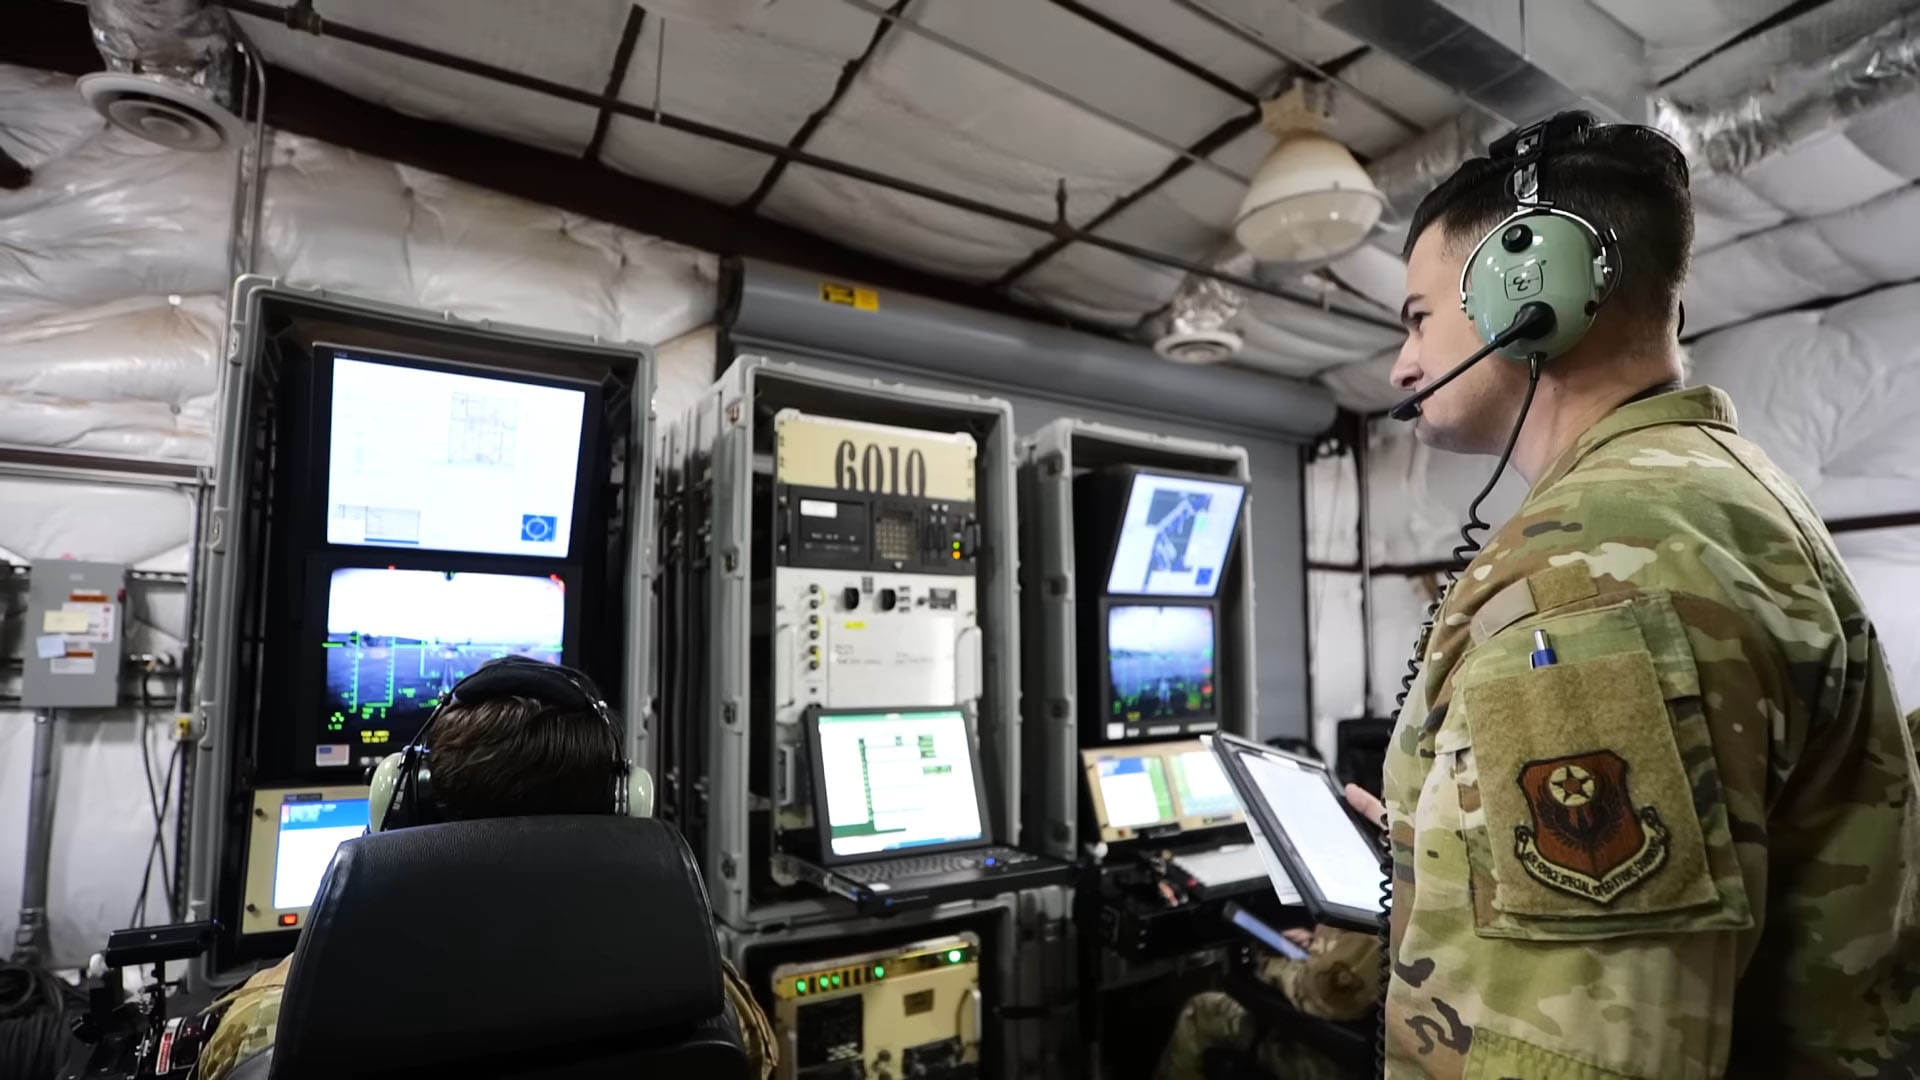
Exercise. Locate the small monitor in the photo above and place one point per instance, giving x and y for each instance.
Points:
(1131, 794)
(295, 832)
(444, 461)
(1174, 535)
(396, 639)
(1200, 789)
(890, 782)
(1159, 662)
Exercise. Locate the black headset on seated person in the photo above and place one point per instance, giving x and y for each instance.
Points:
(401, 794)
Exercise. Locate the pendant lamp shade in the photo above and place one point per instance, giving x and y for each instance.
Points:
(1310, 202)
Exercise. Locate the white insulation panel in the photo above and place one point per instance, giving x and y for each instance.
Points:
(1828, 393)
(112, 308)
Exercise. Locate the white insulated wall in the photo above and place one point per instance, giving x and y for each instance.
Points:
(113, 274)
(1829, 393)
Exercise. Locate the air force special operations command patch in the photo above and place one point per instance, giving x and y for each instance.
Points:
(1587, 838)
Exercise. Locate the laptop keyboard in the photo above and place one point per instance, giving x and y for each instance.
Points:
(947, 862)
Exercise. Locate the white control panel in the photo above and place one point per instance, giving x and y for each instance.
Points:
(851, 639)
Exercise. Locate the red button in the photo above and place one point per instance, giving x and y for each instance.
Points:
(289, 920)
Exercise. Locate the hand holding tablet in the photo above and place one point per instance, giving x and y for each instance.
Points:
(1305, 831)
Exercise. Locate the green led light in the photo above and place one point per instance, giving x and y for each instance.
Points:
(836, 982)
(800, 986)
(953, 956)
(879, 972)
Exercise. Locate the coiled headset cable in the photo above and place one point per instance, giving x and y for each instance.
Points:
(1468, 547)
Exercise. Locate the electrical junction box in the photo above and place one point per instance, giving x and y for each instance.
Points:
(74, 635)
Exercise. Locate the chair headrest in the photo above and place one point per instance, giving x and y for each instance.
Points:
(498, 937)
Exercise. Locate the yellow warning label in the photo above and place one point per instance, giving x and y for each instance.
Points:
(862, 299)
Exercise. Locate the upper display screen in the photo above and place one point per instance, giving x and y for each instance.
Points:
(445, 462)
(1174, 536)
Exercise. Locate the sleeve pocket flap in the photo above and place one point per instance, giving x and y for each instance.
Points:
(1587, 804)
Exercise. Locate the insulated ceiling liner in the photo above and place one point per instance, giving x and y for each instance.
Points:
(779, 305)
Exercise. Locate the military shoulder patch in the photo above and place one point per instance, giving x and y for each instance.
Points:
(1587, 839)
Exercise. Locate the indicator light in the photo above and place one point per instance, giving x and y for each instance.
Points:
(289, 920)
(953, 956)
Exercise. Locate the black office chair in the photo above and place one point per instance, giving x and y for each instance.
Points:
(544, 947)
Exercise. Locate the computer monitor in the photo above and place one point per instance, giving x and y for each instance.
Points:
(892, 782)
(395, 639)
(1159, 664)
(1174, 535)
(293, 836)
(431, 457)
(1200, 788)
(1130, 792)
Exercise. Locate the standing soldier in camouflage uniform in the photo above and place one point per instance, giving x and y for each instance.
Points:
(1339, 980)
(1684, 845)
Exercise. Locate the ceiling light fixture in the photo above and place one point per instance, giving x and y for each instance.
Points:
(1309, 202)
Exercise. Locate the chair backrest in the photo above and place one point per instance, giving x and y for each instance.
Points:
(510, 947)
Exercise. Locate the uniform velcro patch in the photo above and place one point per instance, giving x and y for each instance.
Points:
(1587, 839)
(1588, 809)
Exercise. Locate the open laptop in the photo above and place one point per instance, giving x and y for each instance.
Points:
(901, 805)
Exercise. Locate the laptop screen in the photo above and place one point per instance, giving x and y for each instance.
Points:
(896, 781)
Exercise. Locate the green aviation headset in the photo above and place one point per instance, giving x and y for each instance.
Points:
(1536, 280)
(401, 793)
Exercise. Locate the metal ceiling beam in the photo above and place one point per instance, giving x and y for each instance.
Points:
(1779, 18)
(848, 73)
(397, 47)
(1147, 45)
(53, 35)
(960, 48)
(622, 59)
(1265, 44)
(1206, 144)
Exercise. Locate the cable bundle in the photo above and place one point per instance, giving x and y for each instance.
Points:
(34, 1032)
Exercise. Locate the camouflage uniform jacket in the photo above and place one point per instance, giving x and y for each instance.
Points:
(249, 1015)
(1677, 850)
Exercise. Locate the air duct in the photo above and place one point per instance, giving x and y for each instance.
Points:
(1418, 165)
(1807, 90)
(1731, 135)
(786, 310)
(1800, 96)
(169, 76)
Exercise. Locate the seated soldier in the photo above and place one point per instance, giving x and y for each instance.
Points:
(502, 757)
(1339, 980)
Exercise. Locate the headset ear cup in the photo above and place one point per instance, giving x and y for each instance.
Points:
(1538, 256)
(639, 792)
(382, 790)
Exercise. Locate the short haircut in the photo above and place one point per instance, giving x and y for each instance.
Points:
(521, 757)
(1628, 178)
